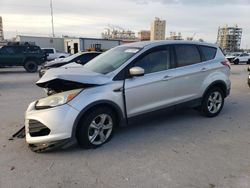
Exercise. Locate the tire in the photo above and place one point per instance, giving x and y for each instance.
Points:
(91, 132)
(236, 62)
(248, 62)
(31, 66)
(212, 102)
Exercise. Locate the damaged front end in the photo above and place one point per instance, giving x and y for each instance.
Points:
(64, 79)
(57, 86)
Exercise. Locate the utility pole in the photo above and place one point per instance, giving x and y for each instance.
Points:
(52, 19)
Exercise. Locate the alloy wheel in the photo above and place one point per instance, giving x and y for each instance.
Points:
(214, 102)
(100, 129)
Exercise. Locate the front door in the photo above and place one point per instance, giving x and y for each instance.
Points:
(155, 89)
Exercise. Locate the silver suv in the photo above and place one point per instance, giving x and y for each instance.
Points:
(122, 83)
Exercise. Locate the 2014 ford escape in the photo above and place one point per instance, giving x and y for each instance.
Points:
(122, 83)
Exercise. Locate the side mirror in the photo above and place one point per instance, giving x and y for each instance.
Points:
(136, 71)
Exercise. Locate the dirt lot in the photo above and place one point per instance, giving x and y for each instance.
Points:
(181, 150)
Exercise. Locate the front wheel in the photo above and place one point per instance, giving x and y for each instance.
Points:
(31, 66)
(236, 62)
(212, 102)
(248, 62)
(96, 128)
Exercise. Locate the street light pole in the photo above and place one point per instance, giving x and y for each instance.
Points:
(52, 19)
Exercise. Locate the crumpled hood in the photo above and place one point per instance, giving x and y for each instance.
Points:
(78, 75)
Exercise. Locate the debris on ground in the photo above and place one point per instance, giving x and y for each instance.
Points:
(19, 134)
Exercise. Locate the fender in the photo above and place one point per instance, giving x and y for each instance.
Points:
(218, 82)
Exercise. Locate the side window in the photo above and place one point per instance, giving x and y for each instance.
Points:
(155, 61)
(244, 55)
(33, 49)
(208, 52)
(187, 55)
(48, 51)
(7, 50)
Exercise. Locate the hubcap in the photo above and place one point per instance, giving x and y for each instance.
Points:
(100, 129)
(214, 102)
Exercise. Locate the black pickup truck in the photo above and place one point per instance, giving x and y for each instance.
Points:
(26, 55)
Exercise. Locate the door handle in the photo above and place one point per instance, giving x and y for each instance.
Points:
(204, 69)
(167, 77)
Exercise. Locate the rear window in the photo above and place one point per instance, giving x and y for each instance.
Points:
(33, 49)
(208, 52)
(187, 55)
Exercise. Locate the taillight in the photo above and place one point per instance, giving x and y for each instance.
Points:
(226, 63)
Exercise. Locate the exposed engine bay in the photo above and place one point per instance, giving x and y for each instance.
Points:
(59, 85)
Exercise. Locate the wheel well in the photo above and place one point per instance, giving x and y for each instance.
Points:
(220, 85)
(116, 111)
(29, 59)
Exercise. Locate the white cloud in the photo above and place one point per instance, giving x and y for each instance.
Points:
(89, 18)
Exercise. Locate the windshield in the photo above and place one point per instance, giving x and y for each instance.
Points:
(111, 60)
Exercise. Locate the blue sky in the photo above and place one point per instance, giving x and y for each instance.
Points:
(89, 18)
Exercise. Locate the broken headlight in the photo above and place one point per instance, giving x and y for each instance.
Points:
(57, 99)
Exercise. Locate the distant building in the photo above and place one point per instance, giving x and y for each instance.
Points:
(229, 38)
(158, 29)
(73, 45)
(144, 35)
(175, 36)
(1, 29)
(118, 33)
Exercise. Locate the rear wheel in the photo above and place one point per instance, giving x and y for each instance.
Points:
(212, 102)
(96, 128)
(248, 62)
(31, 66)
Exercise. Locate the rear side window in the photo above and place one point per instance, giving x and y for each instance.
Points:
(187, 55)
(208, 52)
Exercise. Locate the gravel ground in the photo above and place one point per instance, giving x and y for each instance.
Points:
(180, 150)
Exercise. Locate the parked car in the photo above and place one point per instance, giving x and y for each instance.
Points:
(231, 56)
(123, 83)
(80, 58)
(52, 54)
(242, 58)
(28, 56)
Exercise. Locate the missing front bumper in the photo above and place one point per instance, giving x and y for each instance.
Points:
(50, 146)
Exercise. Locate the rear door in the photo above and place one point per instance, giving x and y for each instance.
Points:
(191, 70)
(155, 89)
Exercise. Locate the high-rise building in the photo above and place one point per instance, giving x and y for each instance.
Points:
(158, 29)
(229, 38)
(1, 29)
(144, 35)
(175, 36)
